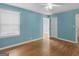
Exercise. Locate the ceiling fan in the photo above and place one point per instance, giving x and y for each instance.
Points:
(50, 6)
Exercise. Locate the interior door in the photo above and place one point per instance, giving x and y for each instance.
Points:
(45, 27)
(53, 27)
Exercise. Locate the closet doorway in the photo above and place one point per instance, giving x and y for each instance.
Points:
(77, 28)
(45, 27)
(46, 40)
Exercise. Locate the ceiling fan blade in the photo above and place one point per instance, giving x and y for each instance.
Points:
(52, 4)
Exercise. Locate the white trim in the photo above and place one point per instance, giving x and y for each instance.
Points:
(57, 26)
(20, 43)
(76, 27)
(66, 40)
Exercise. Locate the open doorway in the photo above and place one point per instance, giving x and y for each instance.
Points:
(46, 40)
(45, 27)
(77, 27)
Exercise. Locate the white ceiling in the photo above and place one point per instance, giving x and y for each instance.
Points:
(39, 7)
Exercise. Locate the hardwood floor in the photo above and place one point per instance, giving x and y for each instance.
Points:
(36, 48)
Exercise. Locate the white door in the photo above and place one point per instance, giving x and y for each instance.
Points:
(46, 40)
(53, 26)
(45, 27)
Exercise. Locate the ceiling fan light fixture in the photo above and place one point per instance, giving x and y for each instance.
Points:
(50, 6)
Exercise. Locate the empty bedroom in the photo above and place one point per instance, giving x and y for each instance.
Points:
(39, 29)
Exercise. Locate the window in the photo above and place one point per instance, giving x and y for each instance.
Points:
(9, 23)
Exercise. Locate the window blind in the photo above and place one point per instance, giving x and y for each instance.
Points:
(9, 23)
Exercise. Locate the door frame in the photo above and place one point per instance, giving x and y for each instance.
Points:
(76, 29)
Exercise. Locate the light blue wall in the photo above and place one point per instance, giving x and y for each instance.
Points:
(30, 28)
(66, 24)
(66, 21)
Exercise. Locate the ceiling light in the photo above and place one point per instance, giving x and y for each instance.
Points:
(50, 6)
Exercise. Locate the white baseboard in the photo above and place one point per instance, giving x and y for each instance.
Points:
(20, 43)
(65, 40)
(32, 41)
